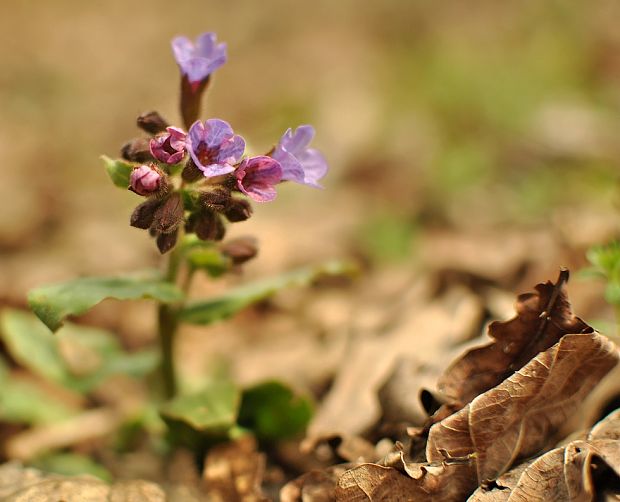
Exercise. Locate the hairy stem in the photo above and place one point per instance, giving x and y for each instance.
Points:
(167, 330)
(168, 322)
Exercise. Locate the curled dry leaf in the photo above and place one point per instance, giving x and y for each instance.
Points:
(376, 483)
(563, 474)
(517, 418)
(542, 319)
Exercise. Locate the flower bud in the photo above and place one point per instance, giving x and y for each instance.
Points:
(216, 199)
(137, 150)
(169, 147)
(165, 242)
(208, 226)
(168, 215)
(147, 180)
(241, 249)
(152, 122)
(191, 172)
(144, 214)
(238, 210)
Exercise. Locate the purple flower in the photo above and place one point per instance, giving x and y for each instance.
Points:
(300, 163)
(145, 180)
(169, 147)
(198, 60)
(214, 147)
(257, 176)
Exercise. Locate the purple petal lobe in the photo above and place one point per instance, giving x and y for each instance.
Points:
(257, 176)
(314, 167)
(231, 150)
(198, 60)
(214, 147)
(205, 43)
(299, 163)
(169, 147)
(291, 167)
(296, 142)
(216, 131)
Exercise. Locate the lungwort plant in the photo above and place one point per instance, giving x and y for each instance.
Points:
(192, 181)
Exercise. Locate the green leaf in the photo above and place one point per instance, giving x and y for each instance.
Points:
(222, 307)
(78, 357)
(118, 170)
(32, 345)
(55, 302)
(72, 464)
(25, 402)
(273, 411)
(209, 259)
(213, 410)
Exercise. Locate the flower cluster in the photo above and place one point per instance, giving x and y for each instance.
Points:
(210, 158)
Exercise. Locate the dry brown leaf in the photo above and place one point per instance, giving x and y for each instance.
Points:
(234, 471)
(314, 486)
(562, 474)
(516, 418)
(542, 319)
(376, 483)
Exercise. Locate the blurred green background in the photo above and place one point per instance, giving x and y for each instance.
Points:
(448, 114)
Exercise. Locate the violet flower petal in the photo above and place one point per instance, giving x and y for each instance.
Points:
(314, 167)
(231, 150)
(292, 169)
(198, 60)
(216, 131)
(205, 43)
(296, 142)
(257, 176)
(214, 147)
(299, 163)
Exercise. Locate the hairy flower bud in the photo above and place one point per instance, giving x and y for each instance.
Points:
(147, 180)
(241, 249)
(168, 215)
(191, 172)
(238, 210)
(137, 150)
(144, 214)
(165, 242)
(208, 226)
(216, 199)
(152, 122)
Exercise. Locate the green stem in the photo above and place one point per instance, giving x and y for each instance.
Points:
(167, 330)
(168, 323)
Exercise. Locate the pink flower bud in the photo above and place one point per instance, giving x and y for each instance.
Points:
(145, 180)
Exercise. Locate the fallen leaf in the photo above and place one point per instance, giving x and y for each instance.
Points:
(569, 473)
(313, 486)
(517, 418)
(542, 319)
(375, 483)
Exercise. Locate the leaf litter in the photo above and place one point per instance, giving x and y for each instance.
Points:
(396, 425)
